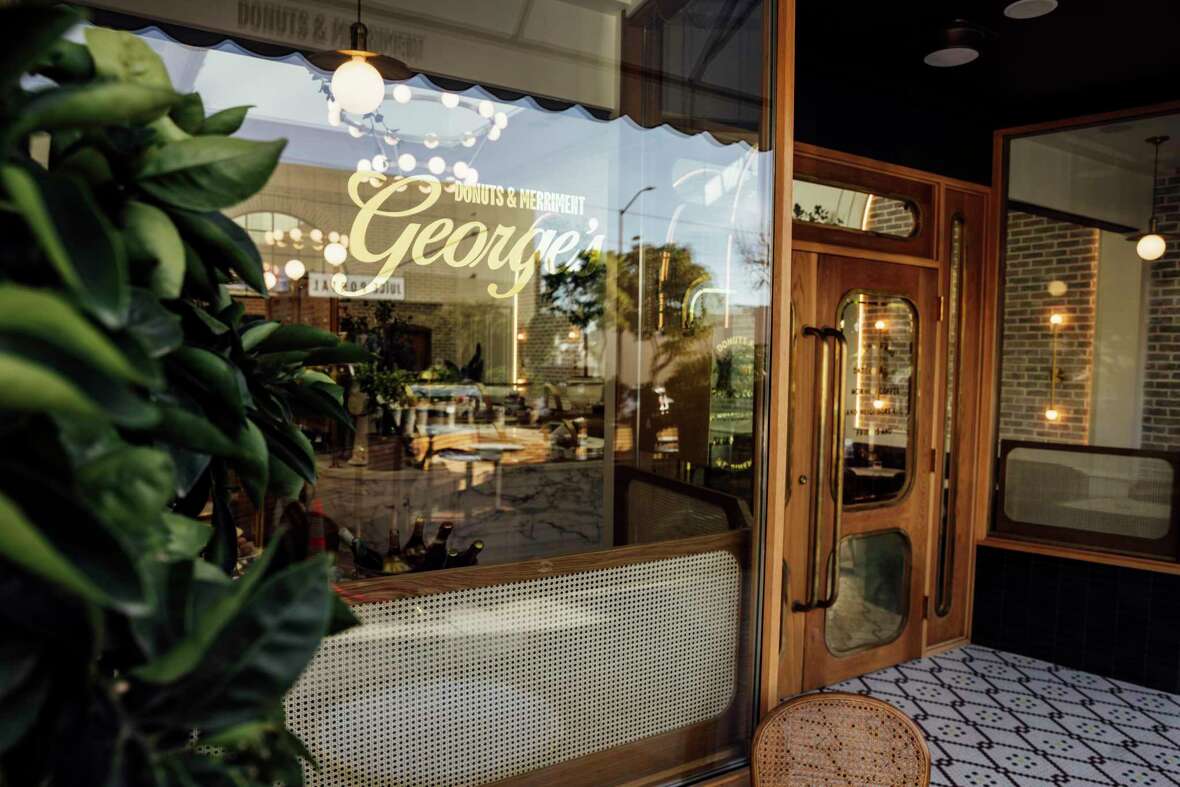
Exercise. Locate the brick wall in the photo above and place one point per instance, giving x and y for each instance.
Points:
(1161, 408)
(1042, 250)
(889, 217)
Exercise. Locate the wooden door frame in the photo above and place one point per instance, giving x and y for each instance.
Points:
(782, 664)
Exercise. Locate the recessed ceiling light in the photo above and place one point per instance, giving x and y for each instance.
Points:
(1029, 9)
(956, 45)
(951, 56)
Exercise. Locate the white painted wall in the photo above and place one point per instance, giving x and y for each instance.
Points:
(1119, 334)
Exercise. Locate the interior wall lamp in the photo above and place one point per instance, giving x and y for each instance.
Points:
(1055, 322)
(1153, 244)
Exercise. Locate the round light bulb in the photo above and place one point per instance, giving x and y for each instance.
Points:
(355, 132)
(880, 325)
(430, 141)
(493, 133)
(390, 139)
(1057, 288)
(486, 108)
(522, 336)
(317, 235)
(380, 163)
(436, 165)
(879, 404)
(269, 237)
(1056, 319)
(335, 254)
(472, 176)
(1052, 414)
(1151, 247)
(358, 87)
(296, 234)
(461, 169)
(333, 236)
(344, 241)
(449, 100)
(294, 269)
(501, 120)
(270, 279)
(406, 162)
(364, 165)
(339, 281)
(402, 94)
(278, 236)
(468, 140)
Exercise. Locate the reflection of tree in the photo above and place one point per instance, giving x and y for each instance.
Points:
(577, 293)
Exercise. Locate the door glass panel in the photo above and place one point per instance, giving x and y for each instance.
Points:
(837, 206)
(881, 332)
(871, 608)
(946, 524)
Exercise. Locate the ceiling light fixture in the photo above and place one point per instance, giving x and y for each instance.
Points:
(957, 45)
(1030, 9)
(359, 74)
(1153, 244)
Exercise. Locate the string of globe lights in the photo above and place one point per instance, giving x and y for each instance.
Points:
(392, 140)
(333, 245)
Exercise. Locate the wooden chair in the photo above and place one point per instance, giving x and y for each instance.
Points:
(839, 739)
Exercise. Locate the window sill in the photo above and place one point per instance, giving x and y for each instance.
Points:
(1075, 553)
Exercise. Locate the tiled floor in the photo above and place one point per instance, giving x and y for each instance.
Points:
(992, 718)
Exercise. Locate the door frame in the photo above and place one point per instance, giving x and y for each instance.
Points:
(785, 552)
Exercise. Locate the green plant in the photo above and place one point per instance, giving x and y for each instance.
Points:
(134, 391)
(578, 293)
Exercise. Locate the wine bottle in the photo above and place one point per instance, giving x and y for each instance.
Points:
(436, 553)
(363, 555)
(415, 547)
(394, 562)
(468, 557)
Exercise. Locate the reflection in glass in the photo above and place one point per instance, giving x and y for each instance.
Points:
(1089, 491)
(946, 519)
(836, 206)
(873, 596)
(881, 333)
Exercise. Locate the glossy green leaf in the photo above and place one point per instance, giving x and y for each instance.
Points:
(297, 337)
(18, 659)
(156, 328)
(188, 654)
(33, 388)
(213, 374)
(188, 113)
(91, 105)
(26, 546)
(264, 648)
(153, 235)
(183, 427)
(252, 464)
(343, 618)
(208, 173)
(76, 238)
(225, 122)
(256, 333)
(40, 314)
(214, 237)
(129, 488)
(185, 537)
(126, 57)
(20, 709)
(288, 443)
(283, 483)
(65, 62)
(345, 352)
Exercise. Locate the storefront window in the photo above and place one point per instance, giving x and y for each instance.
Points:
(559, 260)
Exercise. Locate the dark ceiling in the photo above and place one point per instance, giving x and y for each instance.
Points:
(861, 85)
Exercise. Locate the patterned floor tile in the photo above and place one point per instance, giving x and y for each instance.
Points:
(995, 719)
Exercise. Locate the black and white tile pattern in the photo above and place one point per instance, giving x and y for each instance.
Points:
(993, 718)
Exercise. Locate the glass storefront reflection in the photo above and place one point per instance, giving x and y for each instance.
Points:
(549, 294)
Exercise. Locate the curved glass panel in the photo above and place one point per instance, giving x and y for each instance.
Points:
(873, 601)
(850, 209)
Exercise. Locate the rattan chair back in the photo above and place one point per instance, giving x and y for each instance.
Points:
(834, 738)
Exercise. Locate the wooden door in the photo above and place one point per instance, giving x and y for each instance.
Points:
(863, 453)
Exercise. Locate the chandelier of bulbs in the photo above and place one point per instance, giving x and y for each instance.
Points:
(333, 244)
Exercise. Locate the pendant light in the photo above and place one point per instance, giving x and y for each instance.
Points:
(358, 74)
(1153, 244)
(956, 45)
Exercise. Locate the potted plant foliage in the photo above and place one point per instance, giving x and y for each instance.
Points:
(134, 391)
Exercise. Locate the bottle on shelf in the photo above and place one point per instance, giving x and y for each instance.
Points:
(394, 562)
(363, 556)
(468, 557)
(415, 546)
(436, 553)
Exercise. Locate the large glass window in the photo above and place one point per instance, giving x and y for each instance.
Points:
(553, 237)
(1089, 422)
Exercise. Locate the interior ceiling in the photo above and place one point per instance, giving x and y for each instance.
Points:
(1123, 144)
(863, 70)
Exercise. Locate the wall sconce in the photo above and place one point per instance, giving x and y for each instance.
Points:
(1056, 320)
(522, 336)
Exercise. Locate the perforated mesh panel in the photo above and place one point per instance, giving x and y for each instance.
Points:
(482, 684)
